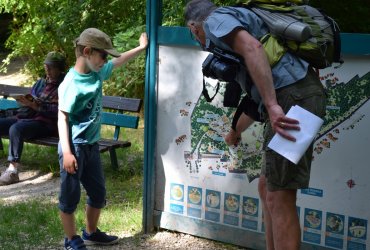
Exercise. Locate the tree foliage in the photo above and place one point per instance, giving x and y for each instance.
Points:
(40, 26)
(350, 15)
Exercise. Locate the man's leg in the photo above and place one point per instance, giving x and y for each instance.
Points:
(285, 222)
(262, 189)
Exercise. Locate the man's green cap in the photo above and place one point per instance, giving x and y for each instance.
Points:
(55, 58)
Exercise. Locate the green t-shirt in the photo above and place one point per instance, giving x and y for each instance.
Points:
(80, 96)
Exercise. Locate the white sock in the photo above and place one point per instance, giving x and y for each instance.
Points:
(12, 168)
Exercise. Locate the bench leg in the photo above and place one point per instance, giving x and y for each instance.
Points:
(1, 145)
(113, 158)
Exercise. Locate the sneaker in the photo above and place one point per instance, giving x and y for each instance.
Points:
(8, 177)
(75, 244)
(98, 238)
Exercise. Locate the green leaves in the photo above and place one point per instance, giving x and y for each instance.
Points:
(41, 26)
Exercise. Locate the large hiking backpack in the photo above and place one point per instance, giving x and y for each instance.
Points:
(301, 29)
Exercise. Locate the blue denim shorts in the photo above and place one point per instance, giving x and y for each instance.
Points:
(89, 174)
(281, 173)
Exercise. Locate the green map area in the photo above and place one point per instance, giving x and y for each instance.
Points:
(344, 99)
(211, 121)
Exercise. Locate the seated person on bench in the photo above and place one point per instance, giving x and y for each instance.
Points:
(35, 118)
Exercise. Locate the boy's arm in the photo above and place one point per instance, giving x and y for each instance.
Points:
(69, 160)
(126, 56)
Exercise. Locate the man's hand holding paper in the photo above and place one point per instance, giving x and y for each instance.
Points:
(309, 126)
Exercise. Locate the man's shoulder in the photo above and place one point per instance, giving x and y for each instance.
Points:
(231, 14)
(231, 9)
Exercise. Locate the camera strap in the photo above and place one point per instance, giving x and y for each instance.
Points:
(205, 91)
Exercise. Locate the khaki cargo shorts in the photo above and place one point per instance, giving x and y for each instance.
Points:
(280, 173)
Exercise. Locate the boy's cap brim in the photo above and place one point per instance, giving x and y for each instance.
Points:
(97, 39)
(112, 52)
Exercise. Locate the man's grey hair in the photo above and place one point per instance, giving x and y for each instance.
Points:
(198, 10)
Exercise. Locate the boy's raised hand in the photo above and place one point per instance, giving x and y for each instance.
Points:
(126, 56)
(143, 40)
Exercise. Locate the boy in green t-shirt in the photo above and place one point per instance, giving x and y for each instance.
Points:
(79, 125)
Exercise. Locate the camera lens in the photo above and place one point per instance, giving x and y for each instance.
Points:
(223, 71)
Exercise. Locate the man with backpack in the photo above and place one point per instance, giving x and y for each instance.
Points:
(291, 81)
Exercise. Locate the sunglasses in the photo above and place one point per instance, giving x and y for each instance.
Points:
(103, 54)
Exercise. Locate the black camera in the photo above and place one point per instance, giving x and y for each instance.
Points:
(216, 68)
(223, 67)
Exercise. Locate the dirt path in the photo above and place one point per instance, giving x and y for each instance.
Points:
(32, 185)
(13, 76)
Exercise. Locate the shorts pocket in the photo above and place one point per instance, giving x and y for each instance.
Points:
(312, 98)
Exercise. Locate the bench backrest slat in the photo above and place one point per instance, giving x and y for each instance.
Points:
(121, 120)
(5, 90)
(116, 103)
(122, 103)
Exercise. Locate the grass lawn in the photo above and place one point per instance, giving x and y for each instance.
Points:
(27, 224)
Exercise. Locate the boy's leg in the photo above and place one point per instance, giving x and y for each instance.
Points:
(69, 224)
(69, 195)
(92, 218)
(93, 181)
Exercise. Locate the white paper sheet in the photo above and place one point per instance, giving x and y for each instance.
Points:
(309, 124)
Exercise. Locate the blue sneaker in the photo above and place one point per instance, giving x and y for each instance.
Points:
(75, 244)
(98, 238)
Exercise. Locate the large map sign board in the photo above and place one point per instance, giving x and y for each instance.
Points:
(200, 177)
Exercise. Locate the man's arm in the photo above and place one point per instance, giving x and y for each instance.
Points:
(126, 56)
(244, 121)
(69, 160)
(260, 71)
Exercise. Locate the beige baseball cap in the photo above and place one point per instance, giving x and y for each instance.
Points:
(97, 39)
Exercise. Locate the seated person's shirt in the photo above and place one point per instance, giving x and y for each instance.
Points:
(224, 20)
(80, 96)
(47, 94)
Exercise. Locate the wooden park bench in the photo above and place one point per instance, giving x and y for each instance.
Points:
(118, 112)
